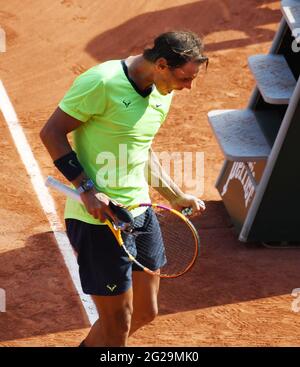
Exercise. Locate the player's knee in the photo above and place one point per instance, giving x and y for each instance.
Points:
(152, 313)
(123, 319)
(148, 315)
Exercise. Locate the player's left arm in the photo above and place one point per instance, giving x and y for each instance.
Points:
(163, 184)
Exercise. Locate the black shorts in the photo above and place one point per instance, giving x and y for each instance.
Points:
(104, 268)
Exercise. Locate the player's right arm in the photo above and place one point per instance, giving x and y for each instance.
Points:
(54, 137)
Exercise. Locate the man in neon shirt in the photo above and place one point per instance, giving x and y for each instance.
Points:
(114, 110)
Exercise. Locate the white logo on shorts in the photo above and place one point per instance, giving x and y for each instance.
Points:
(111, 287)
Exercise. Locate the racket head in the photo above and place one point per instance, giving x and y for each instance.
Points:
(181, 242)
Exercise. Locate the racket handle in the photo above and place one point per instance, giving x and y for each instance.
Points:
(187, 211)
(123, 214)
(59, 186)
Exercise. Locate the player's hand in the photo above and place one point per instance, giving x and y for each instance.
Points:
(188, 201)
(97, 204)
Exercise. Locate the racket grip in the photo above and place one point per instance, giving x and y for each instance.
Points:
(187, 211)
(64, 189)
(123, 214)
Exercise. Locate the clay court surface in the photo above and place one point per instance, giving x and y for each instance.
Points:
(237, 294)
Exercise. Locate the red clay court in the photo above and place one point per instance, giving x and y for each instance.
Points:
(238, 294)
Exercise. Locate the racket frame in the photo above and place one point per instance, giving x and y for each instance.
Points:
(117, 232)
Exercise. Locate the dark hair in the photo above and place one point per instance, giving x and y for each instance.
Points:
(178, 48)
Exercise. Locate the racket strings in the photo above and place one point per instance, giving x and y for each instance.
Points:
(179, 244)
(175, 244)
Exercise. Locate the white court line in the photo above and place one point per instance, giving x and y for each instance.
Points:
(45, 198)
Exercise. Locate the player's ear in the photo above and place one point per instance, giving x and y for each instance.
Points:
(161, 64)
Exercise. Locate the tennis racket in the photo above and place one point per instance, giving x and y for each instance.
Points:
(180, 239)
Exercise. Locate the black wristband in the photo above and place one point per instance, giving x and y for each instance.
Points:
(69, 166)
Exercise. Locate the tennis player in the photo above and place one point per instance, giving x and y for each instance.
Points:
(114, 111)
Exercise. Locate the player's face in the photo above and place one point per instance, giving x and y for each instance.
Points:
(168, 79)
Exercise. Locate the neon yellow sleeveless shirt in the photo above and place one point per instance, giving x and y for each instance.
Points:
(119, 123)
